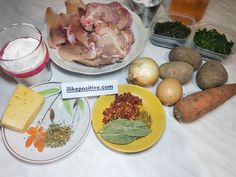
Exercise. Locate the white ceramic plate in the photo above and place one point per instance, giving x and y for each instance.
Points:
(78, 116)
(139, 35)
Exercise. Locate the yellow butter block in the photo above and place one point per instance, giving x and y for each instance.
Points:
(22, 108)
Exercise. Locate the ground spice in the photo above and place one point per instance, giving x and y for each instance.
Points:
(125, 106)
(57, 135)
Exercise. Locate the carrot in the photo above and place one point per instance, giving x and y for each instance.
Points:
(39, 144)
(198, 104)
(37, 136)
(30, 140)
(32, 130)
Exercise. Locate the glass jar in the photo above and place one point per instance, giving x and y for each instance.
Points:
(24, 55)
(194, 8)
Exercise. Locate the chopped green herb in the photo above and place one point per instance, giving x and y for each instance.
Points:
(172, 29)
(57, 135)
(212, 40)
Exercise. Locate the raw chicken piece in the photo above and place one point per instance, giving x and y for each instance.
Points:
(113, 42)
(89, 58)
(75, 53)
(56, 34)
(73, 6)
(56, 37)
(65, 28)
(97, 13)
(76, 35)
(94, 35)
(107, 45)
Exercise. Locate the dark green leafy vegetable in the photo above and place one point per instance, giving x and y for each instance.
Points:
(172, 29)
(212, 40)
(123, 131)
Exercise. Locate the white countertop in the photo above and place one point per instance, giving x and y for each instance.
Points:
(205, 147)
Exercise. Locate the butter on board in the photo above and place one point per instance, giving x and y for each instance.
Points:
(22, 108)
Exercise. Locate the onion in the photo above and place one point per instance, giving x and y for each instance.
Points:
(169, 91)
(143, 72)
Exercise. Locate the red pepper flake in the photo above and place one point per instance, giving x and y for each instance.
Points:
(125, 106)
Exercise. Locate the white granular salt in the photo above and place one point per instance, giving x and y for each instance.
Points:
(17, 52)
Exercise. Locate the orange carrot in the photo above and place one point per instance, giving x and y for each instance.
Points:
(30, 140)
(39, 144)
(37, 136)
(32, 130)
(40, 129)
(197, 104)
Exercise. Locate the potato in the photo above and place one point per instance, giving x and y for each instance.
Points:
(211, 74)
(179, 70)
(187, 55)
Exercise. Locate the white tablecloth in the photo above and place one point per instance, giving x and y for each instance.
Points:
(203, 148)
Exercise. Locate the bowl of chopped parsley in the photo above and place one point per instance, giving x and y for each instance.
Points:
(171, 30)
(213, 41)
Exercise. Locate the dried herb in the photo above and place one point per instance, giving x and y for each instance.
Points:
(212, 40)
(145, 117)
(57, 135)
(172, 29)
(123, 131)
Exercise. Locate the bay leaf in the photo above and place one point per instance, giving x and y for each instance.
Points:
(118, 138)
(124, 131)
(128, 127)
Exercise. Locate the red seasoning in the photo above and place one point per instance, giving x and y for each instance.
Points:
(125, 106)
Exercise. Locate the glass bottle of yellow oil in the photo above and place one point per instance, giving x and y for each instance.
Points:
(194, 8)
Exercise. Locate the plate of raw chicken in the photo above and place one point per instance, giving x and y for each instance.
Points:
(94, 38)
